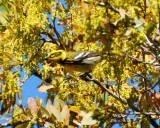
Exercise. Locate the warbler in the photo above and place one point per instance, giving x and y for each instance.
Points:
(75, 61)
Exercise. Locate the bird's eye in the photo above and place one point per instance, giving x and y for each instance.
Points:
(55, 54)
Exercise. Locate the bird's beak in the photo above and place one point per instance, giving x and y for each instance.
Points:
(46, 58)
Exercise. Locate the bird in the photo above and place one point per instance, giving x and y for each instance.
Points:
(81, 61)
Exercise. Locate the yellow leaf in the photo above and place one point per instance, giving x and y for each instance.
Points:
(74, 109)
(8, 55)
(15, 63)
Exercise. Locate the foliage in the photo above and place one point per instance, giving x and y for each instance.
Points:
(123, 84)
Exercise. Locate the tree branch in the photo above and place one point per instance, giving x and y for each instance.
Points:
(153, 86)
(13, 124)
(137, 60)
(118, 97)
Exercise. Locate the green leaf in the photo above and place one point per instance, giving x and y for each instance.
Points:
(139, 24)
(4, 8)
(23, 125)
(48, 103)
(53, 110)
(104, 98)
(38, 101)
(102, 124)
(88, 120)
(65, 112)
(2, 28)
(150, 4)
(62, 103)
(128, 32)
(56, 102)
(49, 125)
(45, 111)
(3, 19)
(150, 28)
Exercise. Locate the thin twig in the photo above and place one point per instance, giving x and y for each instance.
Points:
(119, 98)
(147, 51)
(153, 86)
(51, 38)
(145, 6)
(137, 60)
(134, 113)
(13, 124)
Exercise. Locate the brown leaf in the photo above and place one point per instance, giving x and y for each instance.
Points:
(1, 79)
(49, 7)
(136, 85)
(75, 26)
(140, 98)
(149, 57)
(80, 37)
(155, 99)
(64, 22)
(45, 88)
(32, 105)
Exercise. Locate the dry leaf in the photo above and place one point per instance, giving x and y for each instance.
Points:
(45, 88)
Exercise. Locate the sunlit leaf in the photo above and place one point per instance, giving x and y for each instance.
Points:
(4, 8)
(74, 109)
(150, 28)
(122, 13)
(45, 88)
(65, 114)
(3, 19)
(104, 98)
(77, 123)
(150, 4)
(48, 104)
(56, 102)
(45, 111)
(53, 110)
(32, 105)
(49, 125)
(88, 120)
(128, 32)
(38, 101)
(139, 24)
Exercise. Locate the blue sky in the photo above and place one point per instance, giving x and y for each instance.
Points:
(31, 84)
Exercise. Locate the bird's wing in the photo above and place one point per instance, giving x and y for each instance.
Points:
(79, 58)
(84, 55)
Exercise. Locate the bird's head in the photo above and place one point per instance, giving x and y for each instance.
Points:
(56, 56)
